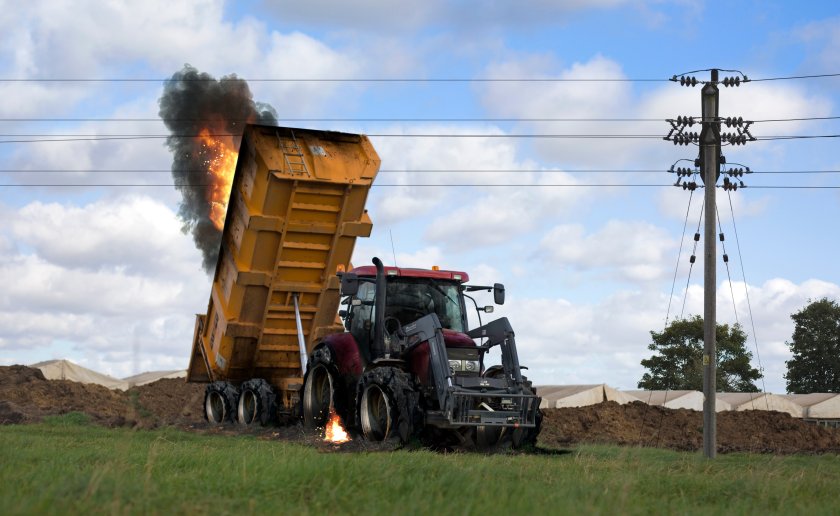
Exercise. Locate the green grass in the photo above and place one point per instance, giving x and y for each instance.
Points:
(68, 466)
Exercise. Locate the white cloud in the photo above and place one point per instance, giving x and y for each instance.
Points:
(504, 213)
(825, 34)
(134, 233)
(620, 100)
(401, 15)
(564, 342)
(94, 281)
(418, 193)
(632, 251)
(115, 39)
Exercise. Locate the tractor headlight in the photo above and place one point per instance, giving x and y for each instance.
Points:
(454, 366)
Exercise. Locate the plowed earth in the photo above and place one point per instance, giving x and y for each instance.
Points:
(26, 397)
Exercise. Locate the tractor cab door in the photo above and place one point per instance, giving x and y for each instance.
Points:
(362, 317)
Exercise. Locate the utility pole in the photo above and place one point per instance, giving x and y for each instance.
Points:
(710, 169)
(709, 160)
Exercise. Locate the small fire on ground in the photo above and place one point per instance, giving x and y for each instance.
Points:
(220, 159)
(334, 432)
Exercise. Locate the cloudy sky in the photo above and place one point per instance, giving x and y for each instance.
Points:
(101, 273)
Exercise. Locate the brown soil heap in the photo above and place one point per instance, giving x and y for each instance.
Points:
(682, 429)
(26, 396)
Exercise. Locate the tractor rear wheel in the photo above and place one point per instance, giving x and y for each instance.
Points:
(257, 403)
(387, 405)
(219, 401)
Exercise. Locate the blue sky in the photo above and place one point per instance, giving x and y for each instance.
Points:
(95, 272)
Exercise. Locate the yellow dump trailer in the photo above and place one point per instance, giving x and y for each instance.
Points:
(297, 205)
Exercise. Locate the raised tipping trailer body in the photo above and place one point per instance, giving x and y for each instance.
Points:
(296, 208)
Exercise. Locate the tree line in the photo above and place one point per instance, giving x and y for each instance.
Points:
(677, 363)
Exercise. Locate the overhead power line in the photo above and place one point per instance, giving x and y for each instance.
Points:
(382, 79)
(402, 171)
(796, 77)
(36, 138)
(434, 185)
(395, 119)
(335, 79)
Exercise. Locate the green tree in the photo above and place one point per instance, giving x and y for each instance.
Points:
(678, 362)
(815, 366)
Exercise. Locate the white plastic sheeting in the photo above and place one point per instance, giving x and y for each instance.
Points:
(66, 370)
(821, 406)
(560, 396)
(692, 400)
(760, 401)
(817, 405)
(153, 376)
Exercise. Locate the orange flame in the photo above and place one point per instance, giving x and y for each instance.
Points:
(334, 432)
(221, 162)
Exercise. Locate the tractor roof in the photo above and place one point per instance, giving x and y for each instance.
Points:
(370, 270)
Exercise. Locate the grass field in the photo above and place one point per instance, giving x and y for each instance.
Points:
(66, 466)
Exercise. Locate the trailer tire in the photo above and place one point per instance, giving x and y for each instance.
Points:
(220, 400)
(387, 405)
(257, 403)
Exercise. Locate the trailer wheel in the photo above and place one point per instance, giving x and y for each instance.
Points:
(387, 405)
(257, 403)
(219, 401)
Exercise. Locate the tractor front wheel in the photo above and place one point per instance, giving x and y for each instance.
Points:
(387, 405)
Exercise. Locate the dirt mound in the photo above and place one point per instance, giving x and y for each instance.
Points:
(170, 401)
(26, 396)
(682, 429)
(32, 396)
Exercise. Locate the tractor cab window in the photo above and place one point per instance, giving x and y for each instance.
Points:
(361, 321)
(409, 299)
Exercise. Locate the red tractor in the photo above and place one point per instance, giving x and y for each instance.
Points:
(408, 364)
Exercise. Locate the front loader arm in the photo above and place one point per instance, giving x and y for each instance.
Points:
(500, 333)
(428, 329)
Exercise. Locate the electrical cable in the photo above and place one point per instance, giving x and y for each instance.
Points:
(327, 79)
(667, 316)
(693, 259)
(679, 256)
(747, 293)
(387, 79)
(453, 185)
(44, 138)
(379, 185)
(729, 278)
(411, 171)
(794, 77)
(393, 119)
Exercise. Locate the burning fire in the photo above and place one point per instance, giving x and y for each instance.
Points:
(221, 162)
(334, 432)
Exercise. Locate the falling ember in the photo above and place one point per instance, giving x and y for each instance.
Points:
(221, 163)
(334, 432)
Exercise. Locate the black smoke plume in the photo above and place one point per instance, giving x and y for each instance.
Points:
(192, 101)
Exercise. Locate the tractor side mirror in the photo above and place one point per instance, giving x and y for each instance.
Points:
(498, 293)
(349, 284)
